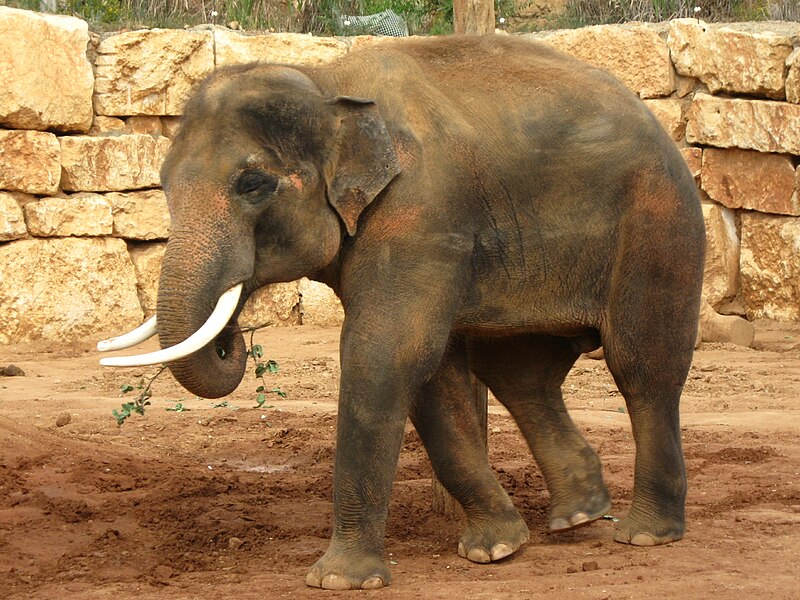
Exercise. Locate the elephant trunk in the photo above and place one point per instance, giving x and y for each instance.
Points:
(189, 289)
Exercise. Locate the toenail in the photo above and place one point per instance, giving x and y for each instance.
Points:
(501, 551)
(373, 583)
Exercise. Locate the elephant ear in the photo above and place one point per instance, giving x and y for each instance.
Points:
(363, 159)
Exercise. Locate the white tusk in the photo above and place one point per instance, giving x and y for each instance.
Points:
(215, 323)
(143, 332)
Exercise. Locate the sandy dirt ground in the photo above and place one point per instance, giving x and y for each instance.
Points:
(232, 501)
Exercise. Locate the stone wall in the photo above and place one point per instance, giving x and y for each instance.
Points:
(85, 122)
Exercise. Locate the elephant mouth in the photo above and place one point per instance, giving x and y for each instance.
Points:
(220, 328)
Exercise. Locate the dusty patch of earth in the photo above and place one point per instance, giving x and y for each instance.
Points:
(235, 502)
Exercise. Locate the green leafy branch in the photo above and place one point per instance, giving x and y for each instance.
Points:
(140, 402)
(256, 352)
(262, 368)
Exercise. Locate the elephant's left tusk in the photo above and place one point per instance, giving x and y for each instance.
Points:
(143, 332)
(226, 305)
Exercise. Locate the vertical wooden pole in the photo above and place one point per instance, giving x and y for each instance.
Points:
(443, 502)
(473, 17)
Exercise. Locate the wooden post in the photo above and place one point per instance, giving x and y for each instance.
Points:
(443, 502)
(473, 17)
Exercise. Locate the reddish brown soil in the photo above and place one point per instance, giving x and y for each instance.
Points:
(235, 502)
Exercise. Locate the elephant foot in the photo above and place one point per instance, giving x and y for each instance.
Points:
(492, 539)
(337, 570)
(566, 516)
(586, 501)
(643, 530)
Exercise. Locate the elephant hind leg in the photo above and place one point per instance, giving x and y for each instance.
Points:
(648, 338)
(526, 373)
(446, 421)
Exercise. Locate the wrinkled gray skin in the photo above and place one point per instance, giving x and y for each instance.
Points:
(483, 205)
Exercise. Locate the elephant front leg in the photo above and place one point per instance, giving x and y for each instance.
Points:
(379, 378)
(367, 449)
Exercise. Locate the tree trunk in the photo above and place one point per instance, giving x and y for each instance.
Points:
(443, 502)
(473, 17)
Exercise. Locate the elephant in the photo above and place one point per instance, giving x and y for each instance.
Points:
(481, 206)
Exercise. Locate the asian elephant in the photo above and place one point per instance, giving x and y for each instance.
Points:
(483, 205)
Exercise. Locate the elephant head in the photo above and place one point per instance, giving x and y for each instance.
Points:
(265, 178)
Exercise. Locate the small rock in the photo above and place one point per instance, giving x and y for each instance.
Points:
(163, 572)
(63, 419)
(572, 570)
(11, 371)
(590, 565)
(235, 543)
(598, 354)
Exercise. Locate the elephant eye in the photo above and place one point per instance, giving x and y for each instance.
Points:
(255, 181)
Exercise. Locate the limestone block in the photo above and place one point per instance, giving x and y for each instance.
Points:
(144, 124)
(731, 59)
(669, 112)
(124, 162)
(694, 159)
(140, 215)
(770, 266)
(285, 48)
(793, 77)
(107, 125)
(150, 72)
(12, 221)
(66, 290)
(752, 124)
(636, 54)
(147, 260)
(276, 304)
(169, 126)
(728, 329)
(46, 81)
(748, 179)
(721, 274)
(29, 162)
(78, 215)
(319, 305)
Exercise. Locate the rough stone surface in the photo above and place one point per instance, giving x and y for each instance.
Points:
(770, 266)
(12, 221)
(669, 112)
(107, 125)
(726, 329)
(694, 159)
(150, 72)
(83, 290)
(276, 304)
(749, 179)
(146, 260)
(793, 77)
(169, 126)
(76, 215)
(752, 124)
(140, 215)
(730, 60)
(636, 54)
(117, 163)
(144, 124)
(721, 275)
(286, 48)
(46, 80)
(318, 304)
(29, 162)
